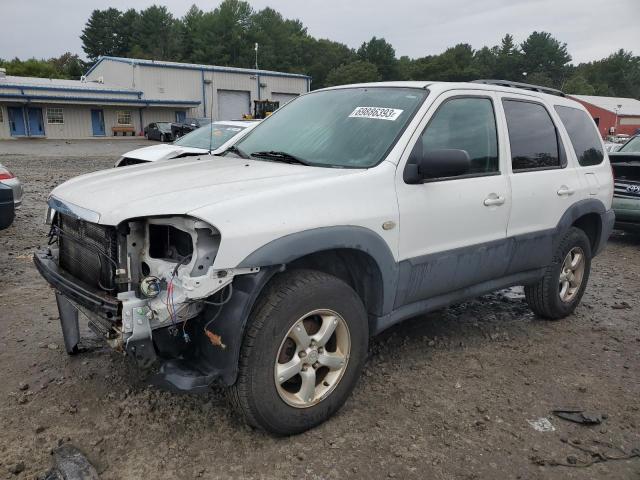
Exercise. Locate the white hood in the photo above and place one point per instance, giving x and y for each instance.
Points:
(161, 151)
(182, 186)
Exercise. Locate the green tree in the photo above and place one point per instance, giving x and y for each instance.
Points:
(355, 72)
(578, 85)
(320, 57)
(380, 53)
(154, 34)
(545, 58)
(221, 37)
(99, 36)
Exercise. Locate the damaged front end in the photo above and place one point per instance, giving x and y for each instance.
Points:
(149, 288)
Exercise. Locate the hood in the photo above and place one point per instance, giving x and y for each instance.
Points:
(162, 152)
(181, 186)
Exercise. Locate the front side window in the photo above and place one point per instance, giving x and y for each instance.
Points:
(55, 116)
(532, 135)
(583, 136)
(467, 124)
(124, 117)
(345, 127)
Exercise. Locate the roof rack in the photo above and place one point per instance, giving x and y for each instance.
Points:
(525, 86)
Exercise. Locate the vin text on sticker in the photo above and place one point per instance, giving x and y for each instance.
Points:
(378, 113)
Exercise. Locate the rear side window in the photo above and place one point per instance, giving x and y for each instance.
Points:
(584, 138)
(532, 135)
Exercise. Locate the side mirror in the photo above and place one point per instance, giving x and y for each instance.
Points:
(436, 164)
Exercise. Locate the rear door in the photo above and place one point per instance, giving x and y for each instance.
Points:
(544, 181)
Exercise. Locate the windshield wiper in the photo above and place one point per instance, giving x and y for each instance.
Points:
(236, 150)
(280, 157)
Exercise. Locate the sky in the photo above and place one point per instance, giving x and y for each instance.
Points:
(592, 29)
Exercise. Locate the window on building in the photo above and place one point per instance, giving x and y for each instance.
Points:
(55, 116)
(532, 135)
(583, 136)
(124, 117)
(465, 124)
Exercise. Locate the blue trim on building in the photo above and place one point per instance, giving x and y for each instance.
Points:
(186, 66)
(100, 100)
(22, 87)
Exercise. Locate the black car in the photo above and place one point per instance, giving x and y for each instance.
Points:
(159, 131)
(179, 129)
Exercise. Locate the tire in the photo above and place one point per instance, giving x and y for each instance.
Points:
(546, 297)
(259, 395)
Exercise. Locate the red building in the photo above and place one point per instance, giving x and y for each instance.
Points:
(623, 114)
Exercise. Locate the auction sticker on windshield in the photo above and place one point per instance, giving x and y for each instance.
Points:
(378, 113)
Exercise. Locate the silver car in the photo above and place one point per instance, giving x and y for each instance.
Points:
(10, 196)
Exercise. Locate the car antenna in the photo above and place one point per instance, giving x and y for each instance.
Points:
(211, 118)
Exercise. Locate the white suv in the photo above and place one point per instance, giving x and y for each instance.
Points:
(348, 210)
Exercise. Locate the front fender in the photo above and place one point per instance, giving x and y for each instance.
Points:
(286, 249)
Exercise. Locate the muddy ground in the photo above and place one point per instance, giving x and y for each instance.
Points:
(444, 396)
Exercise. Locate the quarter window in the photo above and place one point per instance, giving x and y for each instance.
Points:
(55, 116)
(465, 124)
(583, 136)
(532, 135)
(124, 117)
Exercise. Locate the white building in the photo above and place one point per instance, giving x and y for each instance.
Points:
(122, 95)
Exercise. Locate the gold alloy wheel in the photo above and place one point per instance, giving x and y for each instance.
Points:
(312, 358)
(571, 274)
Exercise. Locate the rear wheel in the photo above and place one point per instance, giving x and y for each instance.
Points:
(302, 354)
(560, 290)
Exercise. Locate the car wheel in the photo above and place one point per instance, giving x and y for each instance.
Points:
(560, 290)
(303, 351)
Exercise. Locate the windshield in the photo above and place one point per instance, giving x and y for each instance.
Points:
(209, 137)
(632, 146)
(348, 127)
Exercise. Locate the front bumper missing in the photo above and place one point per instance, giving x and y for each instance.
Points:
(73, 296)
(90, 298)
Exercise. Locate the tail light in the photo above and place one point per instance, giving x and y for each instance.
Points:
(5, 174)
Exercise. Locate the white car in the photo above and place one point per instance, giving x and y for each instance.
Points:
(215, 137)
(347, 211)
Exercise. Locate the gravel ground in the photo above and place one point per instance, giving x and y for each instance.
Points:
(444, 396)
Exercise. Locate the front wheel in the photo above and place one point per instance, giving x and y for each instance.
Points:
(558, 293)
(303, 351)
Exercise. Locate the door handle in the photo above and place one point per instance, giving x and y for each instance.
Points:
(493, 200)
(564, 190)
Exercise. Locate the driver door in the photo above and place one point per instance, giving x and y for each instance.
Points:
(453, 229)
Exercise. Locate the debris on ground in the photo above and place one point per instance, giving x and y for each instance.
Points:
(612, 453)
(578, 415)
(71, 464)
(541, 424)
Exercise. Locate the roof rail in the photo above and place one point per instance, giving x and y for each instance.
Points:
(525, 86)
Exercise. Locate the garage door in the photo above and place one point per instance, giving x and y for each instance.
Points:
(233, 104)
(283, 97)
